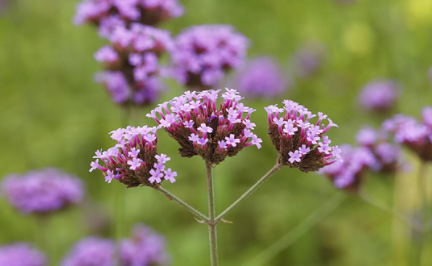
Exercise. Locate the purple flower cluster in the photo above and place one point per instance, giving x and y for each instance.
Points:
(42, 191)
(109, 13)
(309, 59)
(21, 254)
(349, 173)
(134, 160)
(379, 95)
(203, 54)
(201, 128)
(131, 63)
(144, 248)
(262, 78)
(416, 135)
(299, 142)
(91, 251)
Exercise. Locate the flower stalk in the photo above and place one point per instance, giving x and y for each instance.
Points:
(212, 222)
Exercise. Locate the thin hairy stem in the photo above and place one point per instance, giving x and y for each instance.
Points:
(180, 202)
(300, 230)
(249, 191)
(422, 182)
(212, 224)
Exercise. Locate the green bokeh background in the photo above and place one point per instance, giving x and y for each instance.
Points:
(53, 114)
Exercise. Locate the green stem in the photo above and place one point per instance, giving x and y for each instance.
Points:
(300, 230)
(212, 224)
(249, 191)
(425, 215)
(191, 209)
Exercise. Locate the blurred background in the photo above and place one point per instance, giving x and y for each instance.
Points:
(54, 114)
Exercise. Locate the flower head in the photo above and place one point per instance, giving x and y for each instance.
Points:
(21, 254)
(202, 127)
(299, 142)
(91, 251)
(144, 248)
(262, 77)
(379, 95)
(134, 160)
(203, 54)
(309, 59)
(42, 191)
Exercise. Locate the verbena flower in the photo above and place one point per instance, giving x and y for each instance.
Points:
(309, 59)
(300, 142)
(387, 155)
(21, 254)
(203, 54)
(379, 95)
(349, 173)
(203, 127)
(42, 191)
(91, 251)
(149, 12)
(262, 77)
(144, 248)
(132, 63)
(416, 135)
(134, 160)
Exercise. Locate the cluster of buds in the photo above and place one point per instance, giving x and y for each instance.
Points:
(349, 173)
(109, 13)
(387, 155)
(42, 191)
(200, 128)
(134, 160)
(299, 142)
(379, 95)
(203, 54)
(415, 135)
(131, 63)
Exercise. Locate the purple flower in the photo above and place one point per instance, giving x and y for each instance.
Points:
(309, 59)
(262, 77)
(203, 129)
(299, 142)
(91, 251)
(367, 136)
(134, 160)
(144, 248)
(379, 95)
(149, 12)
(21, 254)
(203, 54)
(42, 191)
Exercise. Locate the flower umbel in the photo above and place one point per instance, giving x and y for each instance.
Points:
(134, 160)
(21, 254)
(91, 251)
(201, 128)
(299, 142)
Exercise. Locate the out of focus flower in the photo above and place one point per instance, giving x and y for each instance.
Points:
(309, 59)
(349, 173)
(134, 160)
(42, 191)
(201, 128)
(144, 248)
(299, 142)
(203, 54)
(131, 63)
(149, 12)
(379, 95)
(21, 254)
(91, 251)
(416, 135)
(262, 78)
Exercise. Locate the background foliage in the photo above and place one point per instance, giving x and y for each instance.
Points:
(53, 114)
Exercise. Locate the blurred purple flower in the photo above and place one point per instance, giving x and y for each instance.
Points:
(200, 128)
(91, 251)
(148, 12)
(42, 191)
(309, 59)
(262, 78)
(144, 248)
(131, 63)
(379, 95)
(21, 254)
(299, 142)
(203, 54)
